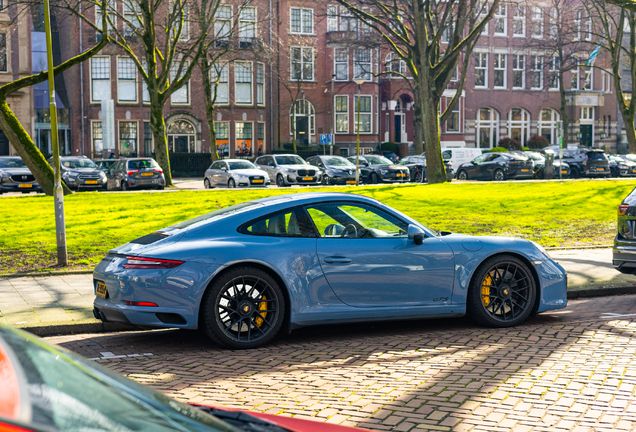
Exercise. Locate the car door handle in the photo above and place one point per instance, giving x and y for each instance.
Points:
(343, 260)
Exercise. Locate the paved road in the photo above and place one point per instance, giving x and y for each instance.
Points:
(572, 370)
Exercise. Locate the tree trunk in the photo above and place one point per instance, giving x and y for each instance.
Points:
(629, 130)
(158, 126)
(209, 107)
(418, 142)
(435, 170)
(564, 112)
(26, 148)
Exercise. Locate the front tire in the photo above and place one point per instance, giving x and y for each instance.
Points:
(326, 180)
(374, 178)
(502, 292)
(462, 175)
(242, 309)
(574, 173)
(280, 181)
(499, 175)
(231, 183)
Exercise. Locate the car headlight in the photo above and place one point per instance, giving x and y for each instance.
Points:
(102, 175)
(384, 172)
(4, 175)
(541, 249)
(290, 170)
(623, 167)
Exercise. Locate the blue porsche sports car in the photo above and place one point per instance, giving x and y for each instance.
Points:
(244, 272)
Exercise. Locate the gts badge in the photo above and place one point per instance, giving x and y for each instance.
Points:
(440, 299)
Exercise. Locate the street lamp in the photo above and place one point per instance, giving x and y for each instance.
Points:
(358, 81)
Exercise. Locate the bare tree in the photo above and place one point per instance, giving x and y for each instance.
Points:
(414, 31)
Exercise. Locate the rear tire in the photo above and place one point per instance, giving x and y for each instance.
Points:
(462, 175)
(499, 175)
(206, 183)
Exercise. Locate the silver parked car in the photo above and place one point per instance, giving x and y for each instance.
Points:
(234, 173)
(289, 169)
(16, 177)
(136, 173)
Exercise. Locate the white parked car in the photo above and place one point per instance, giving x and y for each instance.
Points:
(235, 173)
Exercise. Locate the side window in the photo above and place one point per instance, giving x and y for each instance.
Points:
(216, 166)
(291, 223)
(352, 220)
(479, 159)
(447, 154)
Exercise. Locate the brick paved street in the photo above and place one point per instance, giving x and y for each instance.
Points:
(571, 370)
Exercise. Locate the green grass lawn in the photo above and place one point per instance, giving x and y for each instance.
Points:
(553, 214)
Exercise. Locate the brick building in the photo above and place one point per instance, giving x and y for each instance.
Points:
(315, 52)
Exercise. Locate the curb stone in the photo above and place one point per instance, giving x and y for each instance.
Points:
(67, 329)
(601, 292)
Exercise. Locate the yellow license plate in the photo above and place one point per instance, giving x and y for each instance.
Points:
(351, 182)
(101, 290)
(146, 174)
(525, 170)
(600, 169)
(257, 181)
(308, 178)
(564, 172)
(401, 175)
(90, 182)
(25, 185)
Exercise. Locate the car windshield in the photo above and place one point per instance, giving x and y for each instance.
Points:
(535, 156)
(417, 160)
(62, 391)
(337, 161)
(241, 165)
(630, 157)
(517, 156)
(78, 163)
(12, 163)
(378, 160)
(617, 159)
(289, 160)
(142, 164)
(217, 214)
(596, 156)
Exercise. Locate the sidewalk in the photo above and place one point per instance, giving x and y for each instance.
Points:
(64, 304)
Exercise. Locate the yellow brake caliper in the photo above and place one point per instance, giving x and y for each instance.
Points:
(261, 307)
(485, 290)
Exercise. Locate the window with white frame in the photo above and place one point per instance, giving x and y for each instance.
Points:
(342, 113)
(548, 123)
(487, 128)
(304, 108)
(348, 22)
(519, 20)
(554, 73)
(126, 80)
(185, 24)
(132, 17)
(260, 138)
(588, 27)
(536, 73)
(452, 124)
(394, 64)
(128, 138)
(484, 31)
(606, 83)
(500, 71)
(181, 96)
(222, 130)
(260, 83)
(575, 77)
(97, 137)
(332, 18)
(519, 125)
(587, 113)
(577, 25)
(243, 82)
(247, 24)
(223, 23)
(454, 77)
(112, 18)
(219, 76)
(501, 20)
(518, 71)
(364, 103)
(589, 79)
(244, 137)
(537, 22)
(481, 70)
(301, 20)
(145, 95)
(362, 64)
(3, 52)
(302, 63)
(554, 28)
(100, 78)
(341, 64)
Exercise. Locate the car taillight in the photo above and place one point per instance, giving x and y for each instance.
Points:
(131, 172)
(150, 263)
(157, 170)
(622, 209)
(134, 303)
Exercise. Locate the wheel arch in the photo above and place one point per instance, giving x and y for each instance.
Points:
(523, 259)
(261, 266)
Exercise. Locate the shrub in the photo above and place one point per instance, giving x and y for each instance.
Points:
(538, 142)
(498, 149)
(509, 143)
(390, 146)
(606, 149)
(525, 148)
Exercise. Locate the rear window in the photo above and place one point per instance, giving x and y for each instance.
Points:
(141, 164)
(596, 156)
(217, 214)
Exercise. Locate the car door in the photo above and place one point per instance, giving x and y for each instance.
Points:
(368, 260)
(473, 168)
(220, 175)
(491, 164)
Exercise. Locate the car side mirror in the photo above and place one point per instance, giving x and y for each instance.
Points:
(416, 234)
(223, 168)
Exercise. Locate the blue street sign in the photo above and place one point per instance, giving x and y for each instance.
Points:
(324, 139)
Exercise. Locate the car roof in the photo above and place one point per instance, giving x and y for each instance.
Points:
(233, 160)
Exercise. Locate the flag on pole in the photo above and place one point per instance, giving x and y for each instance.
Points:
(593, 55)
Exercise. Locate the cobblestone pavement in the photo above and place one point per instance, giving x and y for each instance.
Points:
(570, 370)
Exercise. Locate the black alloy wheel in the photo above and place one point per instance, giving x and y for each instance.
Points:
(243, 308)
(326, 180)
(231, 183)
(502, 292)
(499, 175)
(280, 181)
(462, 175)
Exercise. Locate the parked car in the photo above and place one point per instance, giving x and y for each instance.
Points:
(289, 169)
(79, 172)
(336, 169)
(417, 168)
(448, 165)
(137, 173)
(496, 166)
(624, 253)
(378, 169)
(235, 173)
(460, 155)
(389, 155)
(621, 166)
(538, 160)
(15, 176)
(585, 162)
(105, 164)
(48, 388)
(244, 272)
(631, 157)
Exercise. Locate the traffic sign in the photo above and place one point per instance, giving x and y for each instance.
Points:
(325, 139)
